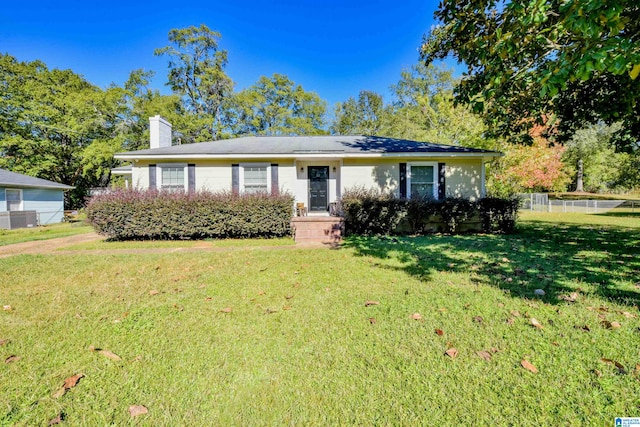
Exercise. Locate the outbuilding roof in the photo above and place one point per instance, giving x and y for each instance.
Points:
(296, 146)
(12, 179)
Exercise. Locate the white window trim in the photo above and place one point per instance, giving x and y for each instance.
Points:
(254, 165)
(6, 199)
(435, 176)
(160, 166)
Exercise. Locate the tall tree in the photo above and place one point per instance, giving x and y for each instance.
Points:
(536, 167)
(366, 115)
(56, 125)
(143, 102)
(196, 74)
(591, 151)
(276, 106)
(529, 58)
(424, 109)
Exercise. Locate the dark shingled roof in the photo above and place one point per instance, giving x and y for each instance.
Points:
(12, 179)
(301, 145)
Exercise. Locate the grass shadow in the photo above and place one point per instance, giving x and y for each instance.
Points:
(557, 258)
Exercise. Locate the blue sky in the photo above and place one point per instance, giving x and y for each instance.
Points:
(332, 47)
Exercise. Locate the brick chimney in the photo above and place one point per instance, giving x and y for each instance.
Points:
(159, 132)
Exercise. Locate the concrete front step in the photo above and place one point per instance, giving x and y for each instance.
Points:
(317, 229)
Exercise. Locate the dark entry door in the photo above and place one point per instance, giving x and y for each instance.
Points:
(318, 188)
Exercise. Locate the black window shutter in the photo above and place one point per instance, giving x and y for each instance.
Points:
(442, 182)
(191, 178)
(152, 177)
(235, 178)
(403, 180)
(275, 186)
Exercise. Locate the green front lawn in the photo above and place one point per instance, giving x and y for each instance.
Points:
(282, 336)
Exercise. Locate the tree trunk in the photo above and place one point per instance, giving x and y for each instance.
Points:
(579, 183)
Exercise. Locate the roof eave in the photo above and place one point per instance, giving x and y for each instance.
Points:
(49, 187)
(136, 157)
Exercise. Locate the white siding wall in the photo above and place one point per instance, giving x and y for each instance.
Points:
(140, 175)
(383, 175)
(213, 176)
(464, 178)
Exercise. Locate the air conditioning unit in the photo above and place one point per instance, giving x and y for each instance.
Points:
(18, 219)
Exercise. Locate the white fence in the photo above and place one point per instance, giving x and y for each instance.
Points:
(540, 202)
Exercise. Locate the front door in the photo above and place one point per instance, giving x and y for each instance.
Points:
(318, 188)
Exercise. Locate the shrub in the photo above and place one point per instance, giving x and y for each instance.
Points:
(498, 215)
(421, 213)
(151, 214)
(454, 212)
(370, 212)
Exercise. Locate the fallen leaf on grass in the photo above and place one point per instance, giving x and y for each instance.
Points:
(416, 316)
(68, 383)
(260, 292)
(621, 369)
(153, 292)
(286, 307)
(628, 315)
(611, 325)
(208, 299)
(3, 342)
(637, 370)
(57, 420)
(226, 310)
(178, 307)
(135, 410)
(452, 352)
(270, 310)
(515, 313)
(528, 366)
(368, 303)
(6, 307)
(485, 355)
(535, 323)
(478, 319)
(373, 320)
(288, 296)
(511, 321)
(570, 298)
(584, 328)
(439, 332)
(12, 358)
(110, 355)
(597, 373)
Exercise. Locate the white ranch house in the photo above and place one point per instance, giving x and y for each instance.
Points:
(315, 169)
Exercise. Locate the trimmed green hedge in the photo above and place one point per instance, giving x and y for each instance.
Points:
(150, 214)
(369, 212)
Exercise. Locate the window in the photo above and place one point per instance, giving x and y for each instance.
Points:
(255, 178)
(172, 177)
(422, 180)
(14, 200)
